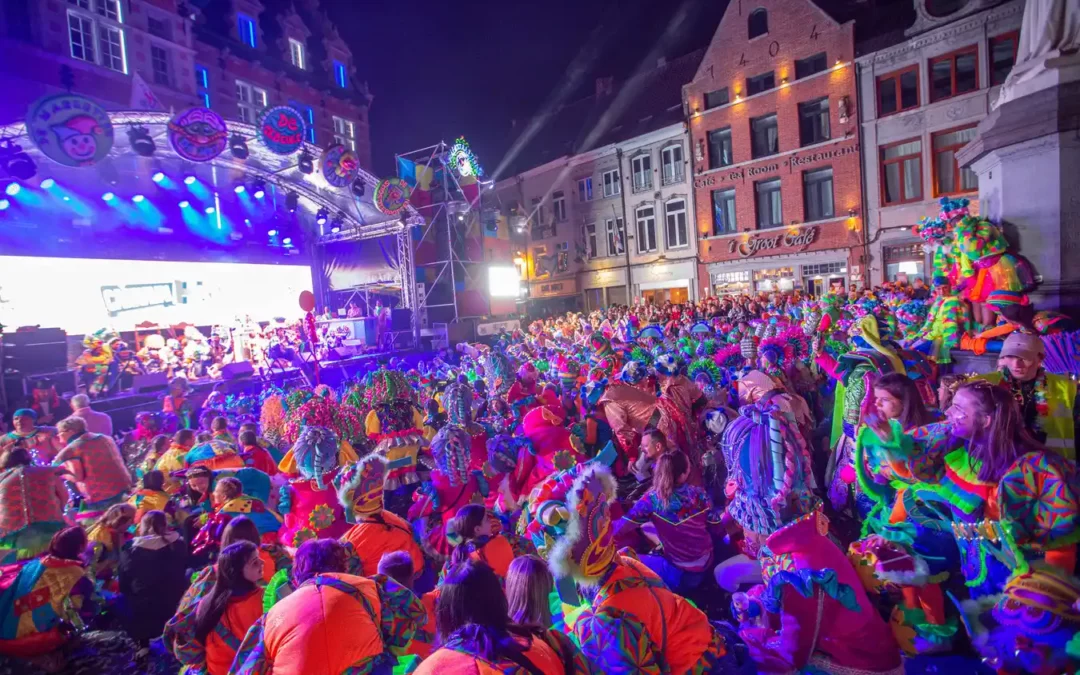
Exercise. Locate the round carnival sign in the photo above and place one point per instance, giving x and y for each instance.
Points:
(70, 130)
(198, 134)
(391, 196)
(339, 165)
(282, 130)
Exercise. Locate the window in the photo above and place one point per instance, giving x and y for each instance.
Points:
(719, 147)
(954, 74)
(345, 133)
(159, 64)
(202, 84)
(558, 206)
(811, 65)
(898, 91)
(1002, 56)
(612, 186)
(814, 121)
(98, 36)
(818, 194)
(675, 216)
(246, 29)
(949, 178)
(671, 161)
(760, 83)
(758, 23)
(646, 229)
(590, 240)
(249, 101)
(901, 172)
(340, 74)
(614, 229)
(764, 136)
(584, 189)
(641, 169)
(159, 27)
(715, 99)
(723, 206)
(296, 53)
(769, 211)
(824, 269)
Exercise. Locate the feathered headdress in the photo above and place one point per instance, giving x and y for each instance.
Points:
(451, 449)
(316, 454)
(587, 548)
(359, 487)
(457, 400)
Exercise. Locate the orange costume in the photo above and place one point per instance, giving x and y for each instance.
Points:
(544, 650)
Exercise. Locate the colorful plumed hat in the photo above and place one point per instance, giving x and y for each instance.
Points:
(633, 372)
(668, 365)
(593, 391)
(952, 208)
(600, 346)
(344, 421)
(701, 329)
(931, 230)
(705, 368)
(706, 347)
(316, 454)
(651, 332)
(527, 371)
(587, 548)
(451, 450)
(457, 400)
(1002, 298)
(359, 487)
(569, 371)
(385, 386)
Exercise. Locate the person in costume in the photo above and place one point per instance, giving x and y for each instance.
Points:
(309, 503)
(682, 401)
(521, 395)
(245, 493)
(1047, 402)
(172, 460)
(46, 403)
(255, 456)
(177, 403)
(593, 430)
(394, 425)
(151, 575)
(473, 534)
(553, 448)
(152, 497)
(32, 501)
(399, 566)
(477, 635)
(364, 623)
(42, 442)
(94, 363)
(375, 531)
(94, 464)
(107, 538)
(633, 623)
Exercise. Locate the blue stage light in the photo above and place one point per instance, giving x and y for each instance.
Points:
(47, 183)
(287, 241)
(247, 221)
(158, 176)
(66, 198)
(108, 196)
(238, 189)
(184, 204)
(209, 209)
(272, 233)
(188, 180)
(12, 189)
(4, 204)
(138, 199)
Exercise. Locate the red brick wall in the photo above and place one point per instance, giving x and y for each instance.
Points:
(797, 29)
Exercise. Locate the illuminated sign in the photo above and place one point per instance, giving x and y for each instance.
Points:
(198, 134)
(282, 130)
(70, 130)
(462, 159)
(750, 245)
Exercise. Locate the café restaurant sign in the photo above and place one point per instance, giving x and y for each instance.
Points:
(792, 161)
(798, 241)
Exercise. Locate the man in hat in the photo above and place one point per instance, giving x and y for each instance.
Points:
(95, 466)
(1047, 401)
(41, 441)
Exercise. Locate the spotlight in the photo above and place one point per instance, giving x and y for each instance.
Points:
(158, 176)
(247, 221)
(239, 188)
(47, 183)
(16, 162)
(306, 163)
(140, 140)
(335, 229)
(358, 187)
(321, 216)
(292, 200)
(108, 196)
(4, 204)
(138, 199)
(66, 198)
(335, 224)
(258, 186)
(287, 241)
(184, 204)
(238, 146)
(209, 209)
(13, 189)
(272, 233)
(188, 180)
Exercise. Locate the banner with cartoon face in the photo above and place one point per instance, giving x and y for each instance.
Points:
(198, 134)
(70, 130)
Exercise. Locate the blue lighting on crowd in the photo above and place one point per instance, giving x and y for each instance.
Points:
(47, 183)
(158, 176)
(138, 199)
(108, 196)
(184, 204)
(12, 189)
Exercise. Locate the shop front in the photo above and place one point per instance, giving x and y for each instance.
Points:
(603, 288)
(553, 296)
(661, 282)
(904, 262)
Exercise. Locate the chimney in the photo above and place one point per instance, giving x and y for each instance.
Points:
(661, 62)
(605, 86)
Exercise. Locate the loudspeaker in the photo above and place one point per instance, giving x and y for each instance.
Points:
(400, 319)
(237, 371)
(33, 352)
(149, 383)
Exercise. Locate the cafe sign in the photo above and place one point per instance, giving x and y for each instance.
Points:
(796, 241)
(791, 162)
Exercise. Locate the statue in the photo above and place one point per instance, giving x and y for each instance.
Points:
(1049, 41)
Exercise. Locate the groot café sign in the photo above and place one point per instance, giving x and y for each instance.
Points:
(798, 241)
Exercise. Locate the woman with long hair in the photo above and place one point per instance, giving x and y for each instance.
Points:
(152, 576)
(680, 515)
(474, 631)
(474, 532)
(896, 397)
(107, 537)
(208, 637)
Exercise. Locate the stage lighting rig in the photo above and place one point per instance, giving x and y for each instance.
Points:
(238, 146)
(358, 187)
(16, 162)
(306, 163)
(258, 187)
(140, 140)
(321, 216)
(292, 200)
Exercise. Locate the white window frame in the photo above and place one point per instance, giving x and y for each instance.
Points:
(612, 184)
(297, 53)
(558, 206)
(168, 66)
(250, 100)
(584, 189)
(673, 170)
(646, 229)
(613, 226)
(642, 175)
(105, 19)
(672, 217)
(345, 132)
(592, 246)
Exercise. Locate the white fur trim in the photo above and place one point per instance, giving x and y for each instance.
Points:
(561, 561)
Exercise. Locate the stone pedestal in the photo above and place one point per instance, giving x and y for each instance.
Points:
(1027, 157)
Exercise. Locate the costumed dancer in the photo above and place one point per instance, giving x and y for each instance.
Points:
(32, 500)
(308, 502)
(94, 363)
(42, 442)
(395, 427)
(245, 493)
(94, 464)
(177, 403)
(551, 448)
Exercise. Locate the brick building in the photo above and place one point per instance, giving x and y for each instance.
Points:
(235, 56)
(775, 151)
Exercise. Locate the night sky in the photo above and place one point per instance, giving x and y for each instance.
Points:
(441, 69)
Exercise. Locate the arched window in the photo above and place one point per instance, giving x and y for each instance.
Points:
(758, 22)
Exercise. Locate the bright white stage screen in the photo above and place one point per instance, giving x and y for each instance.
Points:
(503, 282)
(84, 295)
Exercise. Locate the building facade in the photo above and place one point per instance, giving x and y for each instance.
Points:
(921, 102)
(775, 152)
(234, 56)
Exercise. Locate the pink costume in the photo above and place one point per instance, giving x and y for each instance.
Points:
(309, 502)
(554, 448)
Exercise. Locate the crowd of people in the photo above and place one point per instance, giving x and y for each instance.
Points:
(771, 484)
